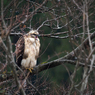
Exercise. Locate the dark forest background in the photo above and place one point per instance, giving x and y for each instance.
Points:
(66, 62)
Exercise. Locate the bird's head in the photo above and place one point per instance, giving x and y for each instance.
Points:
(34, 33)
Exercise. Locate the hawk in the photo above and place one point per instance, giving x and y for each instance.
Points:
(27, 50)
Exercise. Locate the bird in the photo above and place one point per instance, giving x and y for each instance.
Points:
(27, 50)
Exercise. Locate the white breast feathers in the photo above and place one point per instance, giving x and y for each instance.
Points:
(31, 52)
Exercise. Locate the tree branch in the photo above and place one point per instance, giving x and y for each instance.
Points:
(66, 59)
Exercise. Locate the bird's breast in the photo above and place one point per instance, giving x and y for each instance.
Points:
(31, 40)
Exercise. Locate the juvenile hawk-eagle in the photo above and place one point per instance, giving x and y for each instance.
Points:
(27, 50)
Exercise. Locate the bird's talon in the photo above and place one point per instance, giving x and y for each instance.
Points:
(30, 69)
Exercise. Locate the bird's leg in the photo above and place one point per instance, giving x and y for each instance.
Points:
(30, 69)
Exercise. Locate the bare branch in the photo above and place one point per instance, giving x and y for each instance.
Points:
(2, 16)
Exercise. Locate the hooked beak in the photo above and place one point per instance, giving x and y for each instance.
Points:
(38, 35)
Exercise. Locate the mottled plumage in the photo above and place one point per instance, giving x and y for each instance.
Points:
(27, 49)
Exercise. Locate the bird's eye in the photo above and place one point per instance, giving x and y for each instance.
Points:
(34, 34)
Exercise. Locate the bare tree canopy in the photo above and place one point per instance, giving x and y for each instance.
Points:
(66, 61)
